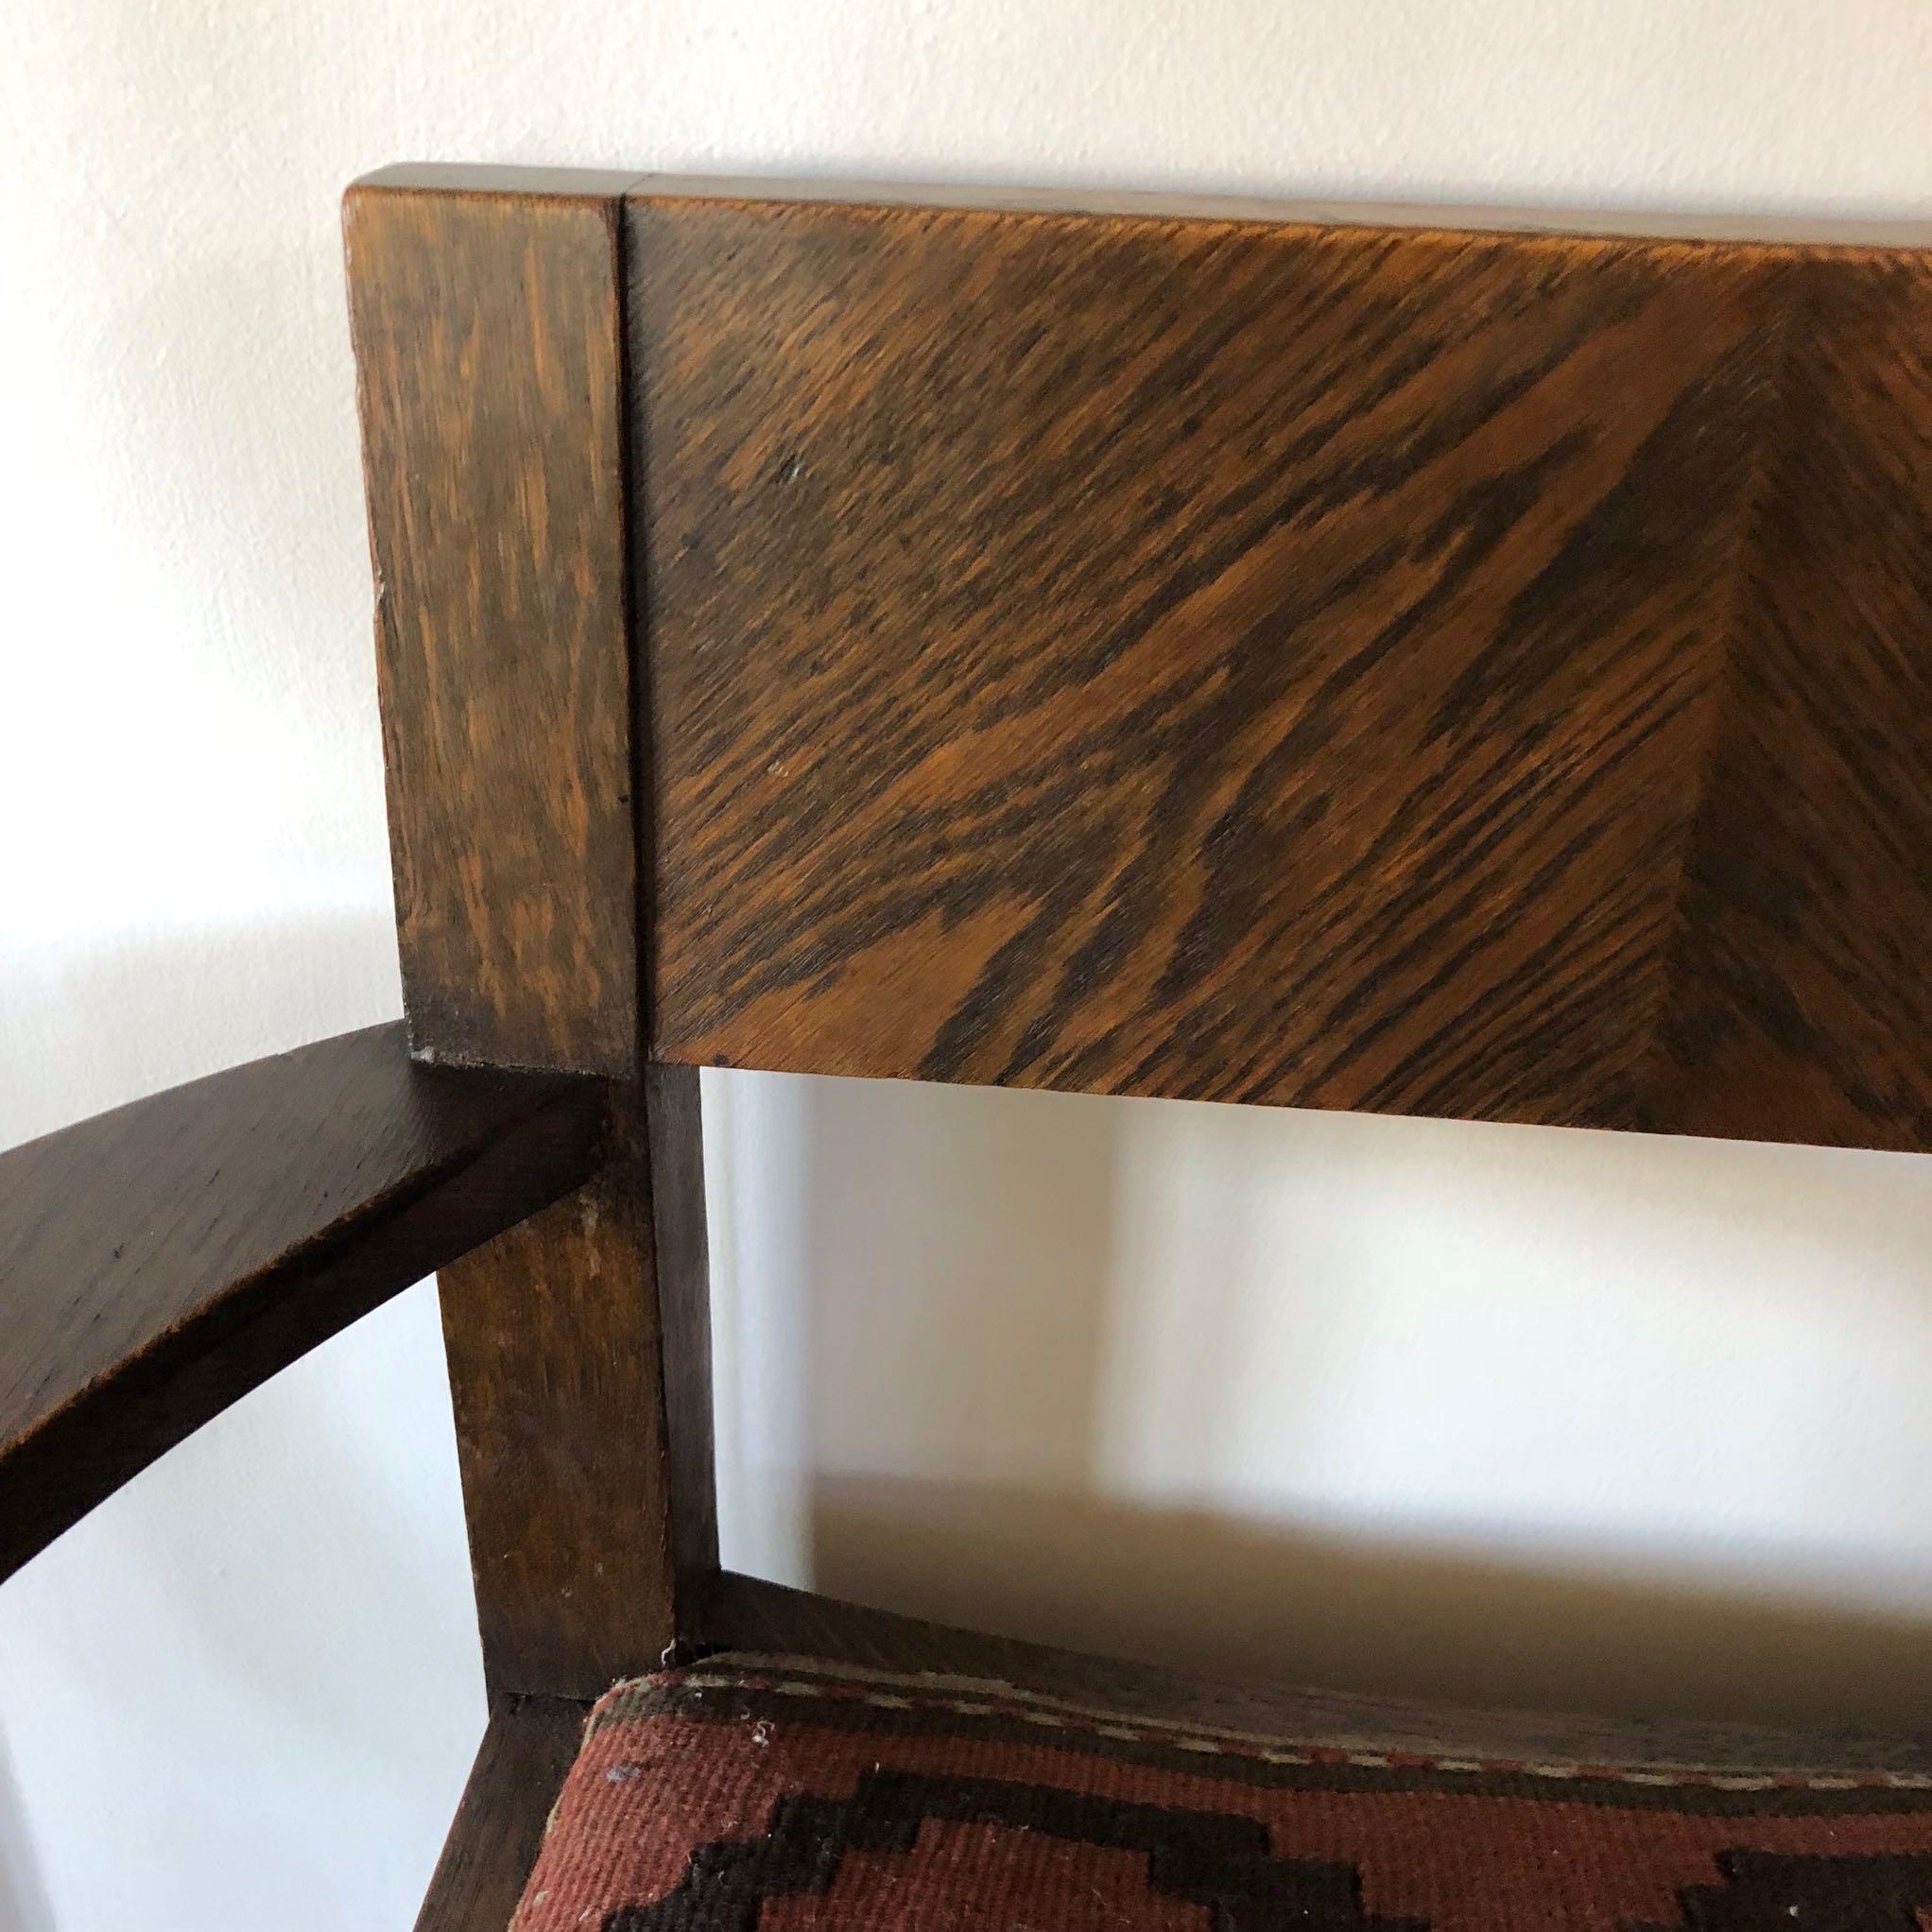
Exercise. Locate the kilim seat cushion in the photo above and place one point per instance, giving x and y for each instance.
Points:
(776, 1795)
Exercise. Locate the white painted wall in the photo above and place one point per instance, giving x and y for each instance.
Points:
(1479, 1411)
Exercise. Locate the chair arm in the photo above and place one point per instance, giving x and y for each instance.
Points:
(159, 1261)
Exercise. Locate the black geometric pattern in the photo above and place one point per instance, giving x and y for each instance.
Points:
(1781, 1892)
(1217, 1859)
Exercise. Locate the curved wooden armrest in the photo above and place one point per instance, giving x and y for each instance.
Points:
(159, 1261)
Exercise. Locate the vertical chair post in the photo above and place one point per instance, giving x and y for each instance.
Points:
(487, 312)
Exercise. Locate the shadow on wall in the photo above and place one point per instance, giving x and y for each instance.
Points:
(24, 1903)
(1248, 1600)
(1511, 1416)
(101, 1018)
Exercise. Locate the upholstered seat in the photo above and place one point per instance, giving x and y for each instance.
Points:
(771, 1794)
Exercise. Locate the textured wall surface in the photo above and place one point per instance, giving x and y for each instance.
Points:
(1481, 1411)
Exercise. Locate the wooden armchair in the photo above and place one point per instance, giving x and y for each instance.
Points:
(1212, 653)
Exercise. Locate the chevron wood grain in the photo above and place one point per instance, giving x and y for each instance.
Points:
(1465, 674)
(1800, 990)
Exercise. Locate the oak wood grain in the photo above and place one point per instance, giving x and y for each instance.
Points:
(493, 1841)
(552, 1336)
(1811, 229)
(740, 1613)
(1799, 1003)
(159, 1261)
(1155, 657)
(484, 311)
(1253, 661)
(487, 306)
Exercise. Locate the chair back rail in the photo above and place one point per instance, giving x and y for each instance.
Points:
(1444, 668)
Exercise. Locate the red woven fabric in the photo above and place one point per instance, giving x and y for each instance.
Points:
(742, 1797)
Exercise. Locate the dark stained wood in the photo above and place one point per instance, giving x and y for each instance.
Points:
(1637, 224)
(486, 313)
(746, 1614)
(1253, 661)
(484, 310)
(159, 1261)
(553, 1343)
(1210, 659)
(498, 1829)
(1801, 998)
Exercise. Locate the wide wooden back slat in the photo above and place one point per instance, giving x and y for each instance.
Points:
(1434, 672)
